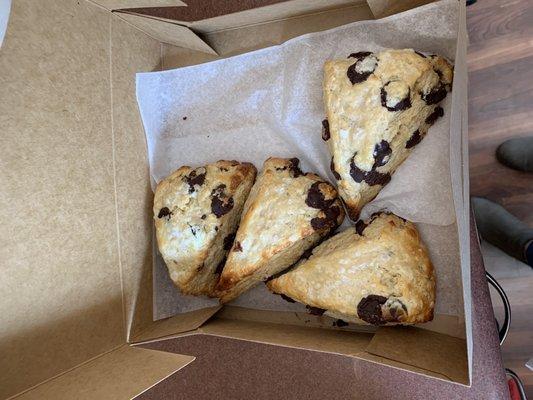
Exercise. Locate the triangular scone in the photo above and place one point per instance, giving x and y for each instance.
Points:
(196, 213)
(376, 274)
(286, 213)
(378, 107)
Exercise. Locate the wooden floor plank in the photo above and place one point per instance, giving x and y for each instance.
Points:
(500, 62)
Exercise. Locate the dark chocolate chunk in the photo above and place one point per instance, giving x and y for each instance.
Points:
(237, 246)
(294, 168)
(435, 95)
(220, 266)
(315, 310)
(195, 177)
(316, 199)
(358, 72)
(221, 203)
(325, 130)
(228, 241)
(203, 216)
(340, 323)
(328, 221)
(184, 118)
(420, 54)
(415, 138)
(360, 226)
(436, 114)
(287, 298)
(360, 55)
(371, 177)
(369, 309)
(164, 212)
(332, 167)
(400, 106)
(382, 152)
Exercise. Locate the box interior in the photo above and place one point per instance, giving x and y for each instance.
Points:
(76, 164)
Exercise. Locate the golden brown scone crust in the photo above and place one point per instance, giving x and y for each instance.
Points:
(378, 107)
(377, 274)
(286, 213)
(196, 213)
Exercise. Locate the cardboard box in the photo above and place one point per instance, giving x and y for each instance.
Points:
(76, 217)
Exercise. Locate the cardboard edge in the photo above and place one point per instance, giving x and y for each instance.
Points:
(122, 373)
(175, 325)
(166, 32)
(391, 344)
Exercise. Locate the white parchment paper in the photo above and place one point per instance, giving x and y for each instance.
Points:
(269, 103)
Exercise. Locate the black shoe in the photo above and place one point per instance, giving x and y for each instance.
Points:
(502, 229)
(517, 153)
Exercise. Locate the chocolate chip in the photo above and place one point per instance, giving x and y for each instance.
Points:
(360, 55)
(369, 309)
(325, 130)
(315, 310)
(328, 220)
(228, 241)
(371, 177)
(294, 168)
(316, 199)
(332, 167)
(436, 114)
(435, 95)
(399, 106)
(382, 152)
(203, 216)
(164, 212)
(184, 118)
(360, 226)
(193, 229)
(415, 138)
(220, 266)
(221, 203)
(365, 65)
(420, 54)
(340, 323)
(237, 246)
(287, 298)
(195, 177)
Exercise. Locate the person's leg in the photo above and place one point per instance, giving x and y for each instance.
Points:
(502, 229)
(517, 153)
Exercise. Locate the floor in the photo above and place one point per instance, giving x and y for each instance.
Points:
(500, 60)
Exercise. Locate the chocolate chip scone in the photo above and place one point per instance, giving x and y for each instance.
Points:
(379, 106)
(377, 274)
(286, 213)
(196, 213)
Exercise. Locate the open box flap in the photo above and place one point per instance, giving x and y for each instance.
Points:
(215, 15)
(120, 374)
(117, 4)
(175, 325)
(384, 8)
(167, 32)
(231, 42)
(424, 349)
(327, 340)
